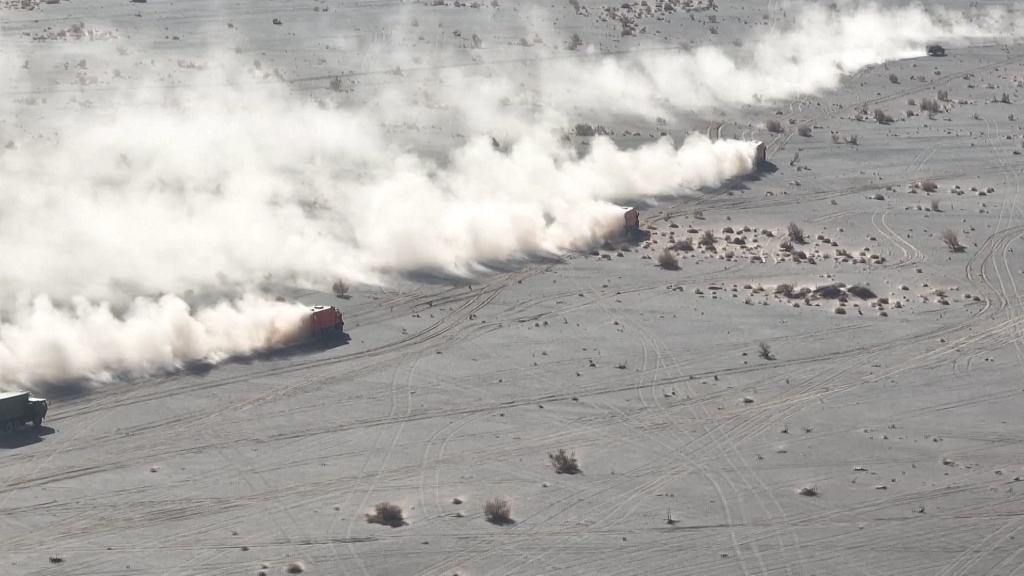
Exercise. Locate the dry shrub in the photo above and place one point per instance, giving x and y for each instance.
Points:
(685, 245)
(785, 289)
(808, 491)
(852, 140)
(668, 260)
(862, 292)
(575, 41)
(774, 126)
(565, 462)
(836, 139)
(388, 514)
(295, 568)
(1005, 99)
(340, 288)
(804, 131)
(929, 105)
(928, 185)
(944, 95)
(881, 117)
(796, 233)
(498, 511)
(764, 350)
(935, 205)
(952, 239)
(894, 79)
(707, 238)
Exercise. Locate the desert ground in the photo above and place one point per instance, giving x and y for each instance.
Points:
(878, 431)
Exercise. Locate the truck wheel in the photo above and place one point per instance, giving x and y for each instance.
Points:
(38, 422)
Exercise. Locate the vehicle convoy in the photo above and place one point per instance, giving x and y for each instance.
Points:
(18, 408)
(325, 320)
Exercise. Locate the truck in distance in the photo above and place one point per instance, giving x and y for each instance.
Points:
(325, 321)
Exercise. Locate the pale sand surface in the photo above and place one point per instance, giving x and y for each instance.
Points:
(907, 424)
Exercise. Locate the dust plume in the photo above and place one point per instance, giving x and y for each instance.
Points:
(228, 183)
(809, 56)
(42, 343)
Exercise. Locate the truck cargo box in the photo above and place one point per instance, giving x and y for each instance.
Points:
(323, 319)
(13, 405)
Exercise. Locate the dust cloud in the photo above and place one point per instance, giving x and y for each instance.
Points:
(222, 186)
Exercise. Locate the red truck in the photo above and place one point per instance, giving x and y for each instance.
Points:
(325, 320)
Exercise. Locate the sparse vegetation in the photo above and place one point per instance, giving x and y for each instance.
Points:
(951, 239)
(943, 96)
(862, 292)
(388, 514)
(928, 185)
(295, 568)
(575, 42)
(498, 511)
(881, 117)
(929, 105)
(707, 238)
(668, 260)
(340, 288)
(851, 140)
(684, 245)
(804, 131)
(1005, 99)
(774, 126)
(808, 491)
(764, 350)
(56, 559)
(796, 233)
(894, 79)
(564, 462)
(785, 289)
(935, 205)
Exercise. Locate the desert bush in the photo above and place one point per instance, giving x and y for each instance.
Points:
(894, 79)
(804, 131)
(565, 462)
(340, 288)
(796, 233)
(836, 139)
(668, 260)
(910, 102)
(881, 117)
(498, 511)
(862, 292)
(928, 185)
(852, 140)
(951, 239)
(774, 126)
(1005, 98)
(785, 289)
(943, 96)
(707, 238)
(935, 205)
(808, 491)
(929, 105)
(575, 41)
(295, 568)
(388, 514)
(684, 245)
(764, 350)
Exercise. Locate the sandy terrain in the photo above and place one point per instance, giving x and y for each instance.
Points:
(901, 411)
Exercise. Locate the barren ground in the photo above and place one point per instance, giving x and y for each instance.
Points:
(907, 424)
